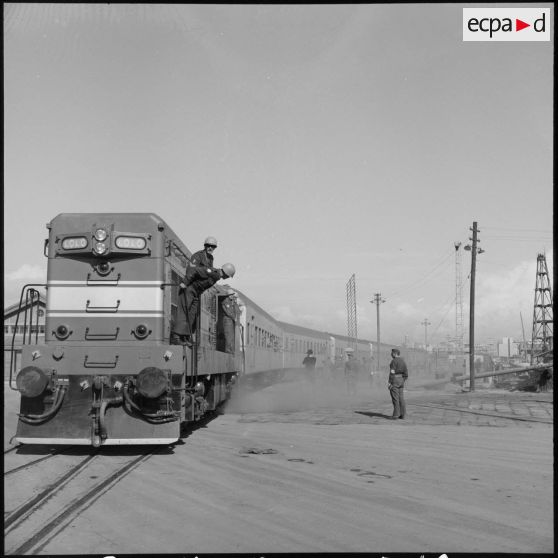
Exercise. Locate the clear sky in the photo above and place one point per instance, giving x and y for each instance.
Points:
(314, 141)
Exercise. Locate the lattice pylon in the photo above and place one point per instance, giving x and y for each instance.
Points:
(543, 322)
(352, 312)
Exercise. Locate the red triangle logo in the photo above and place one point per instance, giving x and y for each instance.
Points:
(519, 25)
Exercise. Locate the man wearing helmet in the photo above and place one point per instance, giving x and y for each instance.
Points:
(204, 258)
(198, 279)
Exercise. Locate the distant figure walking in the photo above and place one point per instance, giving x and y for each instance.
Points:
(351, 373)
(309, 363)
(398, 374)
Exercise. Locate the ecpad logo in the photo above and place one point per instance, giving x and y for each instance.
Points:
(506, 24)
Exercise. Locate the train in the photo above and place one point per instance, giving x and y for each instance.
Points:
(107, 373)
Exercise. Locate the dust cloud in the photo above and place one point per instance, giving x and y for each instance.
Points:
(299, 393)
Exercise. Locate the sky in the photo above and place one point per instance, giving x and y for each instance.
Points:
(313, 141)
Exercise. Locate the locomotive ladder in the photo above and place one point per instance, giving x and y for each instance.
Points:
(32, 297)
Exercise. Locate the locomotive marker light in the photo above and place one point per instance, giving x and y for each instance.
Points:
(130, 242)
(152, 382)
(31, 381)
(74, 243)
(141, 331)
(62, 331)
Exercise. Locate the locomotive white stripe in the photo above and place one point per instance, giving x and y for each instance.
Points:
(105, 300)
(132, 441)
(139, 314)
(73, 441)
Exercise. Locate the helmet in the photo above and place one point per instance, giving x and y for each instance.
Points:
(229, 269)
(211, 240)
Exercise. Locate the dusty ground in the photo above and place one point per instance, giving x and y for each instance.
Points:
(289, 469)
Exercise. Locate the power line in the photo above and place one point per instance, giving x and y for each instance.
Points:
(515, 229)
(424, 278)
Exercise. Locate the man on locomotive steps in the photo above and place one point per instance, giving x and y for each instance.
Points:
(204, 258)
(198, 279)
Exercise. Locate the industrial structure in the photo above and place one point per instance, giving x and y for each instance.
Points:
(352, 333)
(542, 334)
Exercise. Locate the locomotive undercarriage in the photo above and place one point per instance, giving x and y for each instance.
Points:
(102, 407)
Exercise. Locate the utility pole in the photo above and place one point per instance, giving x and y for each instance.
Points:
(426, 323)
(377, 301)
(474, 251)
(458, 303)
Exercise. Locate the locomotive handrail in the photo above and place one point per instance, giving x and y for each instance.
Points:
(87, 364)
(107, 309)
(12, 351)
(101, 336)
(103, 282)
(163, 285)
(171, 244)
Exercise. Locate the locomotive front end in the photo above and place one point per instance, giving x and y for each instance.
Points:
(106, 374)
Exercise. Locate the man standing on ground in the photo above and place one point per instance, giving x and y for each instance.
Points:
(351, 372)
(397, 376)
(310, 364)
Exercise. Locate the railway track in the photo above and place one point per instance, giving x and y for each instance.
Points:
(483, 413)
(29, 464)
(41, 517)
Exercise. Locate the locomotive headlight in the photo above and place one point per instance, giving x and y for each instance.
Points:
(152, 382)
(31, 381)
(100, 247)
(100, 235)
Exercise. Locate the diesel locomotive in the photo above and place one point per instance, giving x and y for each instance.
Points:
(107, 373)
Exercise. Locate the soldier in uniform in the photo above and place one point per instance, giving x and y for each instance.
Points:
(398, 374)
(198, 279)
(204, 258)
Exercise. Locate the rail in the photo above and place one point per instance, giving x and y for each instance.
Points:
(463, 377)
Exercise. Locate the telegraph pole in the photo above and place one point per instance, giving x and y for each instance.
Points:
(426, 323)
(474, 251)
(377, 301)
